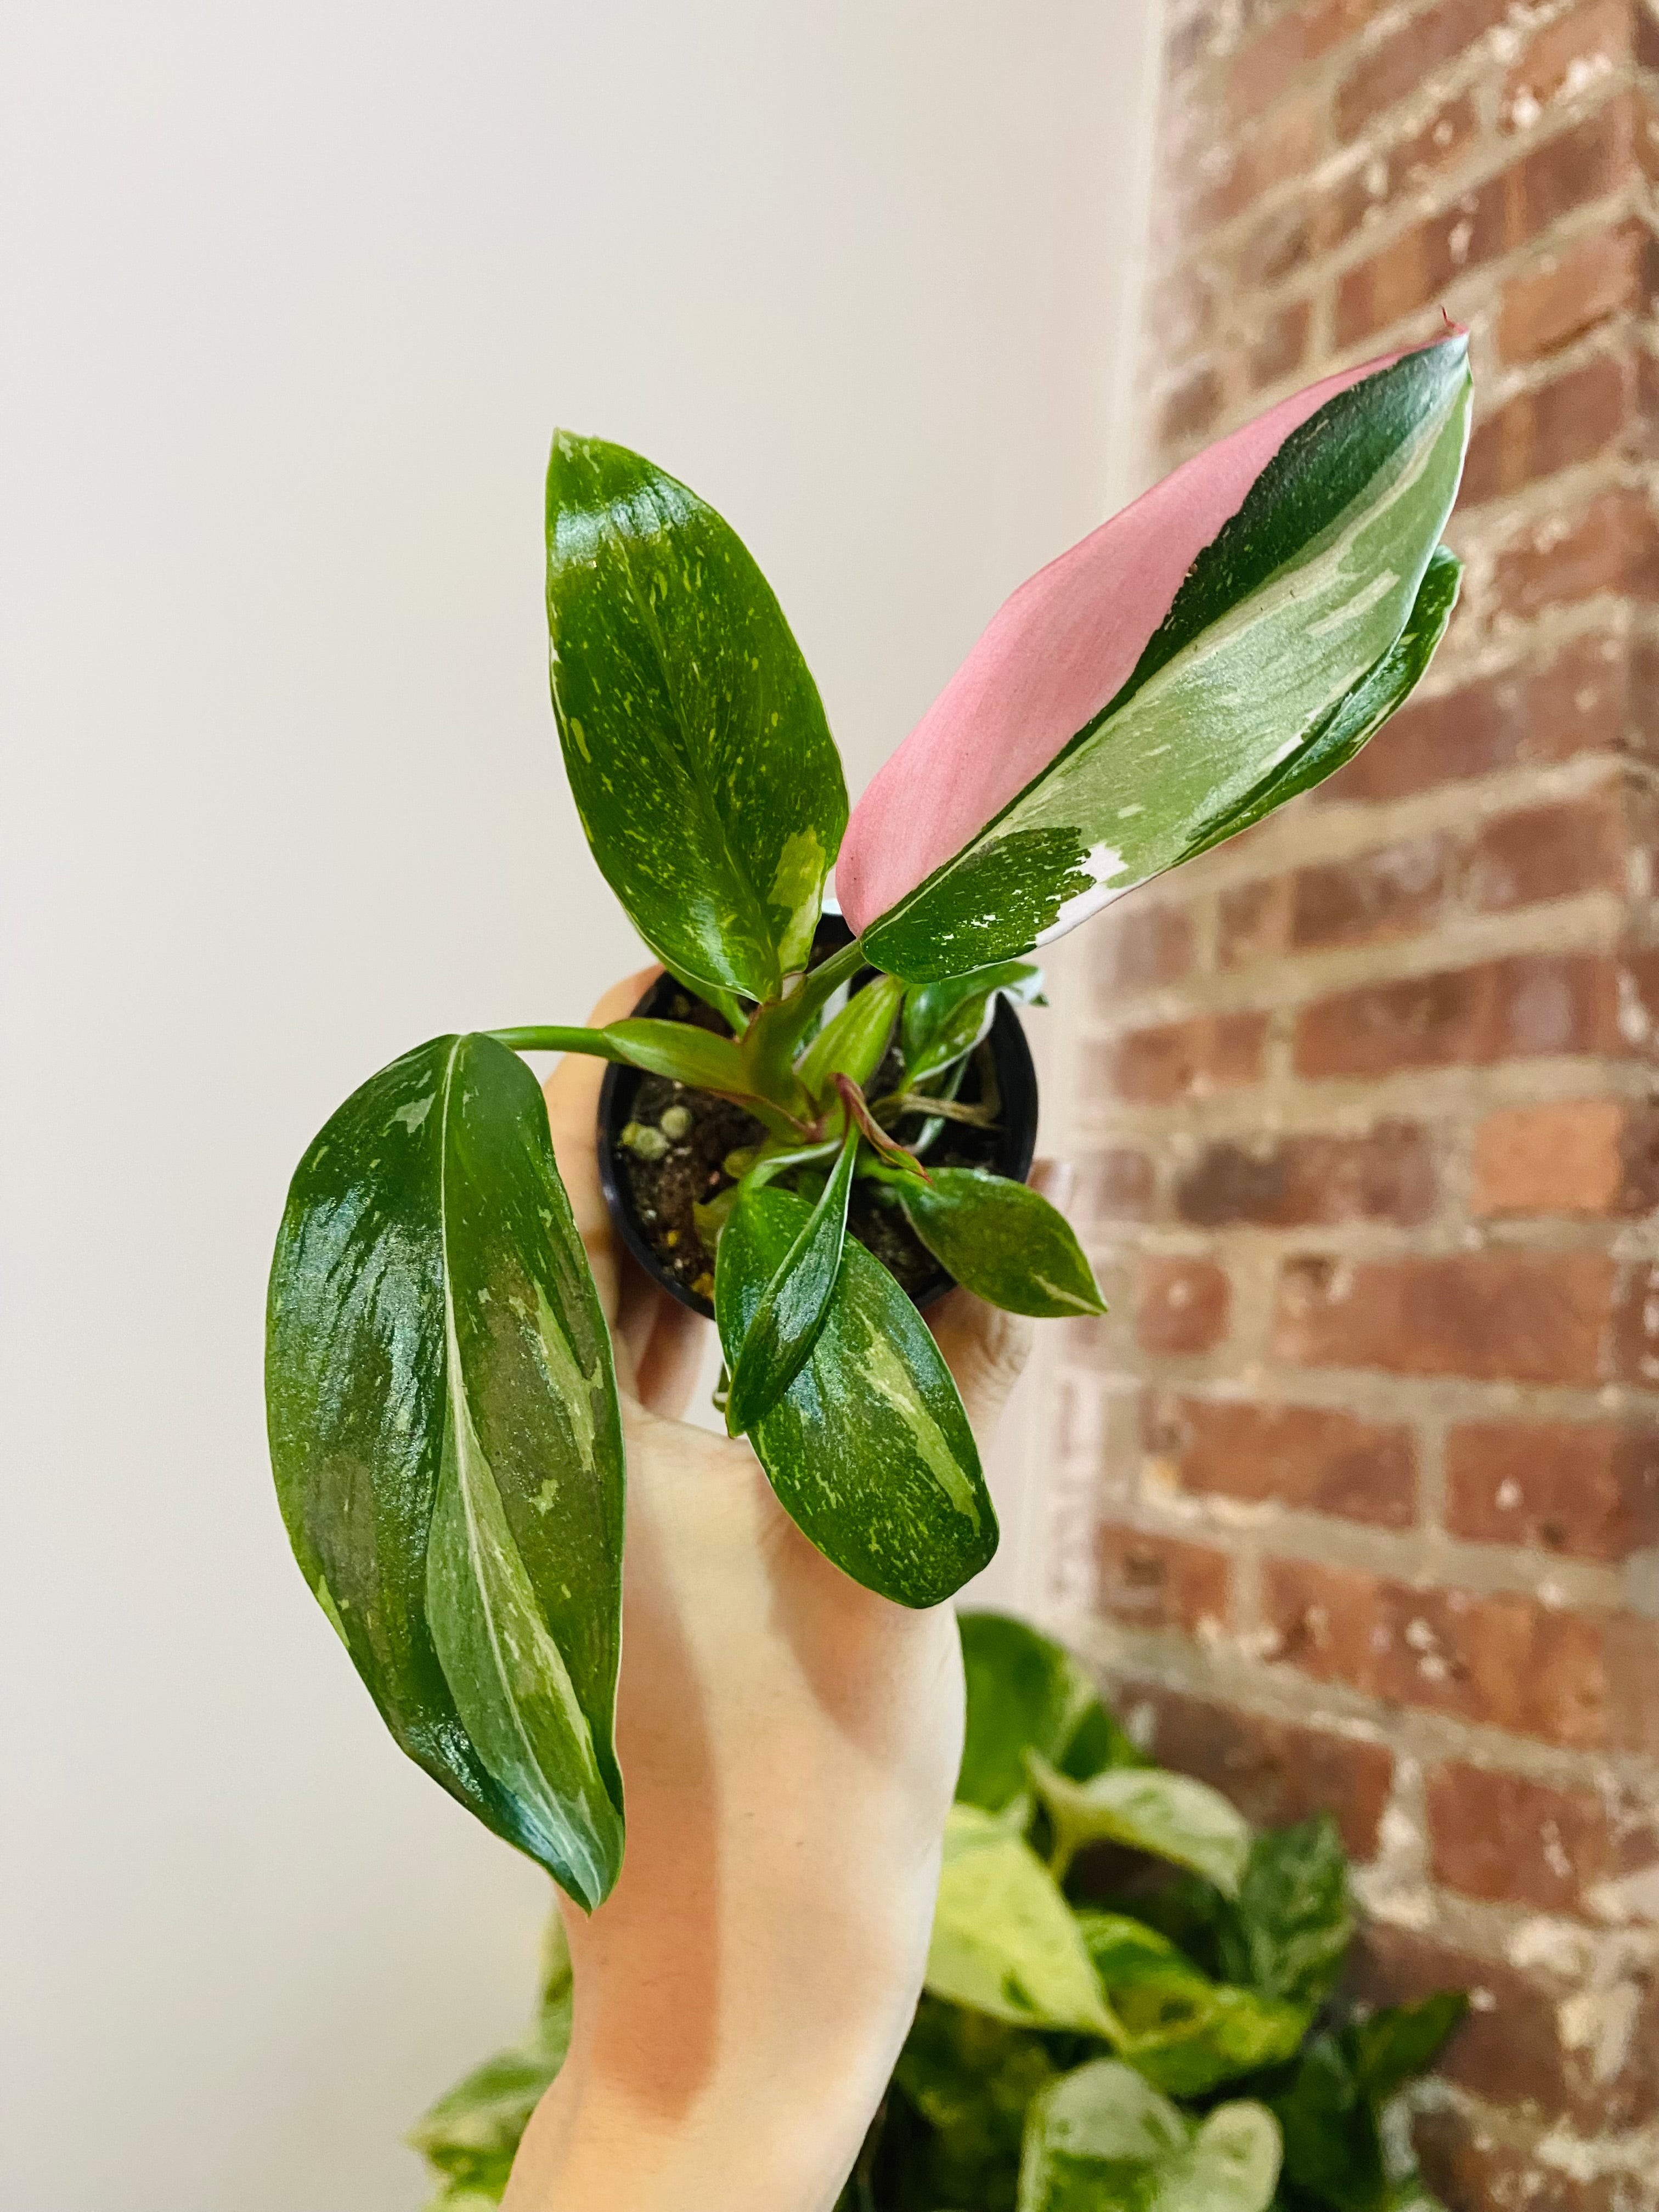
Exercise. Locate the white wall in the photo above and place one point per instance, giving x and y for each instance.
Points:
(292, 297)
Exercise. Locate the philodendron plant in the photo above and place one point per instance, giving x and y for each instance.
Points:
(443, 1413)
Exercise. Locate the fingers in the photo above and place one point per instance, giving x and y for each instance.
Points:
(572, 1092)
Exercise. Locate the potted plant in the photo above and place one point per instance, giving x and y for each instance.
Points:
(1132, 1997)
(443, 1415)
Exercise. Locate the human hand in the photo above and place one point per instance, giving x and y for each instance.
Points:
(789, 1743)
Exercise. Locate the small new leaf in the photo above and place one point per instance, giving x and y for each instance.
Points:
(852, 1042)
(778, 1340)
(1003, 1242)
(1170, 1815)
(944, 1021)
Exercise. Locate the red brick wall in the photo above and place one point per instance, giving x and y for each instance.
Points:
(1367, 1098)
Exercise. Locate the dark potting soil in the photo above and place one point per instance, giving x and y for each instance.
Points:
(664, 1191)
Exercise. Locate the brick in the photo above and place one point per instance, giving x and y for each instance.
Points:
(1470, 2170)
(1498, 1660)
(1398, 66)
(1510, 2050)
(1636, 1327)
(1568, 59)
(1507, 1316)
(1187, 1060)
(1279, 244)
(1286, 142)
(1579, 416)
(1281, 346)
(1313, 1459)
(1575, 703)
(1393, 890)
(1267, 64)
(1275, 1771)
(1594, 158)
(1139, 948)
(1115, 1184)
(1375, 182)
(1558, 298)
(1151, 1582)
(1192, 408)
(1530, 1006)
(1587, 1491)
(1182, 1305)
(1584, 1155)
(1180, 314)
(1255, 921)
(1611, 544)
(1510, 1840)
(1538, 852)
(1386, 1175)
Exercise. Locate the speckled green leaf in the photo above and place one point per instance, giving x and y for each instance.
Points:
(1170, 1815)
(1102, 2137)
(1005, 1941)
(943, 1022)
(780, 1338)
(703, 768)
(446, 1438)
(1026, 1693)
(1187, 2033)
(1291, 606)
(1003, 1242)
(869, 1448)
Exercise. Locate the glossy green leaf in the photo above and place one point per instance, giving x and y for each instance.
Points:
(1333, 2148)
(1292, 606)
(1293, 1919)
(1026, 1693)
(1003, 1242)
(447, 1448)
(1186, 2033)
(1102, 2139)
(853, 1040)
(1005, 1941)
(1389, 2048)
(868, 1449)
(1170, 1815)
(943, 1021)
(693, 734)
(1356, 718)
(791, 1310)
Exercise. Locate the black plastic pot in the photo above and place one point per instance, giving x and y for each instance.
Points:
(1014, 1141)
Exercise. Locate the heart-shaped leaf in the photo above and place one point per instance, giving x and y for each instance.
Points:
(1149, 683)
(447, 1448)
(1025, 1692)
(1003, 1242)
(869, 1450)
(1170, 1815)
(792, 1308)
(1005, 1941)
(1103, 2137)
(1185, 2032)
(694, 737)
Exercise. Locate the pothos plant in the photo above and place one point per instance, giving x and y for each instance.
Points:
(1132, 2001)
(443, 1414)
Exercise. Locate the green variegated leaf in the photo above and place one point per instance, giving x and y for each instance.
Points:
(1003, 1242)
(792, 1308)
(1292, 1920)
(1170, 1815)
(1185, 2032)
(695, 741)
(943, 1022)
(1299, 599)
(1005, 1941)
(1101, 2139)
(446, 1438)
(868, 1449)
(1026, 1693)
(852, 1042)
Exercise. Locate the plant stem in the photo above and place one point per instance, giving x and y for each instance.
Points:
(777, 1028)
(560, 1040)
